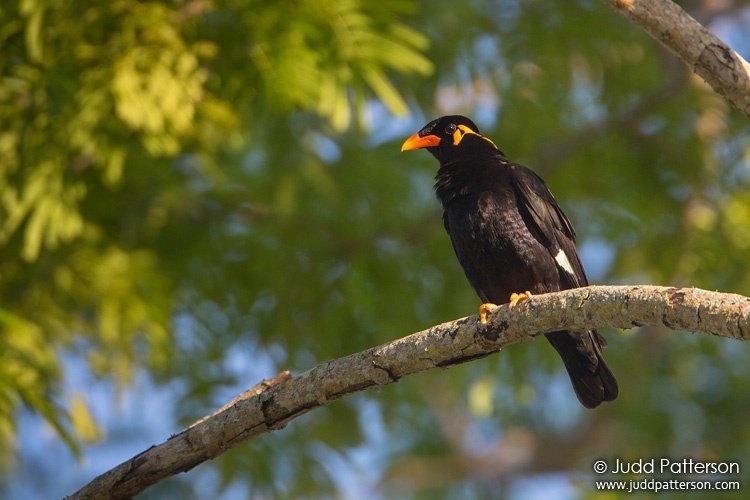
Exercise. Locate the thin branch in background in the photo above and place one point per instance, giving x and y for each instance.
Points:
(551, 155)
(702, 51)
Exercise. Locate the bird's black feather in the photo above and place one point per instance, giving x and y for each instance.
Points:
(510, 235)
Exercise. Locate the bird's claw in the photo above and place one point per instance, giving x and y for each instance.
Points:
(517, 298)
(484, 311)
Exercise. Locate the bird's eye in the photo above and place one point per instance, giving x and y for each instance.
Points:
(450, 129)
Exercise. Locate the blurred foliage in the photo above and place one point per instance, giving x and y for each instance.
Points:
(189, 186)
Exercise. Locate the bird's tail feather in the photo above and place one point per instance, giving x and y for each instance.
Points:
(582, 354)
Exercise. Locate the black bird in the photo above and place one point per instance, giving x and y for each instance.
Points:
(511, 236)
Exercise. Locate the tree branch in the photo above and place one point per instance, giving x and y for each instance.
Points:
(704, 53)
(273, 403)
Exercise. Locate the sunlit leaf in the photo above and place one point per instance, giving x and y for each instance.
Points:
(385, 91)
(83, 422)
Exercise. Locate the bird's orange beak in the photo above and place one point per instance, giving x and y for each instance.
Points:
(416, 142)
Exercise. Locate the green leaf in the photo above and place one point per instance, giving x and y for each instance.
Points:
(385, 91)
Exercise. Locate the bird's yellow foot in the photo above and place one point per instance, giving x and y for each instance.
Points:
(517, 298)
(484, 311)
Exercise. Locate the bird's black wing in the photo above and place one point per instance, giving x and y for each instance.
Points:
(582, 353)
(548, 224)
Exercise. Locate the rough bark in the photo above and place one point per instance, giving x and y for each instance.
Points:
(271, 404)
(705, 54)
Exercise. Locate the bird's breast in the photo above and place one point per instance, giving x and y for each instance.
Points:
(488, 218)
(497, 251)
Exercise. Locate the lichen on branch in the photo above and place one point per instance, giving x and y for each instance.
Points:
(271, 404)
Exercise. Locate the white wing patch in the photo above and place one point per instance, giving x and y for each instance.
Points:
(562, 261)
